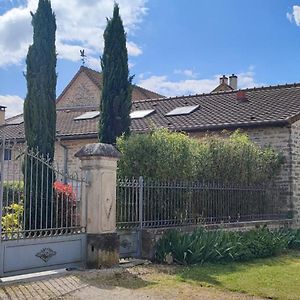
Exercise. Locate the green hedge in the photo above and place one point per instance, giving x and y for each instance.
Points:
(220, 246)
(166, 155)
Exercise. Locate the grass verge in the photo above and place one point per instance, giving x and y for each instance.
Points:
(275, 278)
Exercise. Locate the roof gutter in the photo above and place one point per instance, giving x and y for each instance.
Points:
(232, 126)
(77, 137)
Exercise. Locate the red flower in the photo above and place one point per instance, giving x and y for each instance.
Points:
(65, 189)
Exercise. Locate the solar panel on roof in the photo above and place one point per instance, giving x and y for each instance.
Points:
(88, 115)
(183, 110)
(138, 114)
(15, 121)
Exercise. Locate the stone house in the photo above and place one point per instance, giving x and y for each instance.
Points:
(81, 95)
(269, 115)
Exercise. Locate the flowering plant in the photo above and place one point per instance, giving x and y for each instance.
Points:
(65, 200)
(65, 189)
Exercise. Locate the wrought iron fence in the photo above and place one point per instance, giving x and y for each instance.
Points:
(146, 203)
(36, 198)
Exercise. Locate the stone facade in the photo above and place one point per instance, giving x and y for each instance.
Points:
(64, 159)
(81, 92)
(65, 151)
(295, 170)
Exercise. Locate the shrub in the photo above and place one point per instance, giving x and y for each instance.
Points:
(166, 155)
(294, 238)
(13, 197)
(13, 219)
(220, 246)
(158, 155)
(236, 159)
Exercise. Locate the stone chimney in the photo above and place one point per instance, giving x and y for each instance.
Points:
(2, 115)
(223, 79)
(233, 81)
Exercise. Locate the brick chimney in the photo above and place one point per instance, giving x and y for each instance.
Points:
(241, 96)
(2, 115)
(223, 79)
(233, 81)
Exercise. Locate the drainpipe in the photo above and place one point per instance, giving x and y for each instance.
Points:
(65, 163)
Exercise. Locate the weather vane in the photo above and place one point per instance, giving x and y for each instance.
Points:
(83, 56)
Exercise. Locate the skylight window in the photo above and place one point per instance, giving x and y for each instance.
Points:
(139, 114)
(88, 115)
(16, 121)
(183, 110)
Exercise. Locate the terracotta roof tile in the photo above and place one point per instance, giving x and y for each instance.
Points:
(266, 106)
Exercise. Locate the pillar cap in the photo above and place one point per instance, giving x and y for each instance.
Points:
(98, 149)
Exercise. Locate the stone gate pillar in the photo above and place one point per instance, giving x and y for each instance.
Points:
(99, 163)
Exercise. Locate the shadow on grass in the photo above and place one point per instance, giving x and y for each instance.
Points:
(208, 273)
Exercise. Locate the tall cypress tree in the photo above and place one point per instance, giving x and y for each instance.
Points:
(40, 116)
(116, 93)
(39, 105)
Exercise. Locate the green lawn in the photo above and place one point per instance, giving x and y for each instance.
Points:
(275, 278)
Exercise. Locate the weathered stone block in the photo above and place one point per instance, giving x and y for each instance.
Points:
(102, 250)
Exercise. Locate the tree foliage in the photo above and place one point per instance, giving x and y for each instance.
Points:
(39, 105)
(116, 93)
(165, 155)
(40, 114)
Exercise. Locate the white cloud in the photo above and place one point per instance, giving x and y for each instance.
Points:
(134, 49)
(294, 15)
(80, 24)
(13, 103)
(289, 16)
(187, 72)
(165, 86)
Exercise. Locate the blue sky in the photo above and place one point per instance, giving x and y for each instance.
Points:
(175, 46)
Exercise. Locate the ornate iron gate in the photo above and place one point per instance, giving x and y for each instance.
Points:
(40, 211)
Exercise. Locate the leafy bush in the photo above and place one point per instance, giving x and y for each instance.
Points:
(13, 197)
(236, 159)
(166, 155)
(158, 155)
(212, 246)
(295, 238)
(12, 220)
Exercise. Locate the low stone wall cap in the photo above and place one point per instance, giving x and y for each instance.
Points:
(98, 149)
